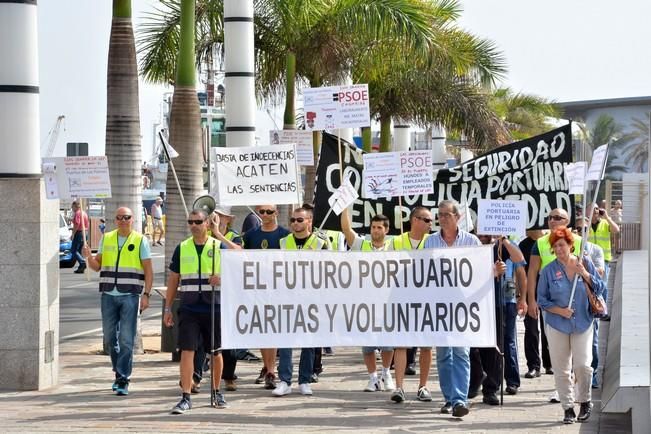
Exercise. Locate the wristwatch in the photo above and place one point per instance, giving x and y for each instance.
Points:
(148, 294)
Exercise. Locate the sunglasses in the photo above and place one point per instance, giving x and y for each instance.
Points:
(557, 218)
(425, 219)
(266, 211)
(195, 222)
(122, 218)
(297, 219)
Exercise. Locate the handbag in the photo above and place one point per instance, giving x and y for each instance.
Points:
(598, 306)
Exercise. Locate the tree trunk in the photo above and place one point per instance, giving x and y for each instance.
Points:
(385, 133)
(367, 139)
(123, 148)
(289, 117)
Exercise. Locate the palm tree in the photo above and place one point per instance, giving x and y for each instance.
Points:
(123, 147)
(636, 151)
(604, 131)
(524, 115)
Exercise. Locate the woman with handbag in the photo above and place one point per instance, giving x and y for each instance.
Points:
(568, 324)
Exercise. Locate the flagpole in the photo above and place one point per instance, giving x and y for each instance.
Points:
(176, 179)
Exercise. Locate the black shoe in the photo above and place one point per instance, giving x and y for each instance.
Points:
(491, 399)
(606, 318)
(548, 371)
(512, 390)
(270, 381)
(260, 379)
(314, 378)
(473, 393)
(460, 410)
(250, 357)
(80, 269)
(184, 405)
(532, 373)
(410, 369)
(447, 408)
(584, 413)
(570, 416)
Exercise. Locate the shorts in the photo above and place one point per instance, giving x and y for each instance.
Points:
(194, 326)
(157, 223)
(369, 350)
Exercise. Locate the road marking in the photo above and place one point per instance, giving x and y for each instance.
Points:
(90, 332)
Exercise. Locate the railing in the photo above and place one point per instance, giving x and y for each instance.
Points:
(628, 237)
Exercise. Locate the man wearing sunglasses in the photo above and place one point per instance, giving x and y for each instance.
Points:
(541, 256)
(195, 274)
(266, 236)
(124, 262)
(301, 238)
(420, 225)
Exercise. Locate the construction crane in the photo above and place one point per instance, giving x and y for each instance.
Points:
(52, 137)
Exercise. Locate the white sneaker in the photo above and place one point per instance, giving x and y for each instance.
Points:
(554, 397)
(387, 382)
(282, 389)
(305, 389)
(373, 385)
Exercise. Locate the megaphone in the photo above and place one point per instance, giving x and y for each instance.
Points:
(206, 203)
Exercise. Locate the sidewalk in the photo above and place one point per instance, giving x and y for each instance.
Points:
(83, 401)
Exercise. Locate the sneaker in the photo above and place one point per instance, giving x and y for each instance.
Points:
(261, 377)
(512, 390)
(491, 399)
(184, 405)
(373, 385)
(314, 378)
(570, 416)
(250, 357)
(554, 398)
(305, 389)
(218, 400)
(269, 381)
(114, 387)
(532, 373)
(122, 389)
(584, 413)
(447, 408)
(282, 389)
(398, 395)
(387, 382)
(423, 394)
(460, 410)
(410, 369)
(328, 351)
(231, 386)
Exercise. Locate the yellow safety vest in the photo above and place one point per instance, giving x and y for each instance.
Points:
(196, 271)
(545, 249)
(121, 267)
(313, 242)
(602, 238)
(333, 236)
(403, 242)
(367, 246)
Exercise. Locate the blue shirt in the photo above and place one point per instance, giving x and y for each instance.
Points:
(259, 239)
(510, 275)
(463, 238)
(145, 253)
(554, 289)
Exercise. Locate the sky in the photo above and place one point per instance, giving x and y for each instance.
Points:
(562, 50)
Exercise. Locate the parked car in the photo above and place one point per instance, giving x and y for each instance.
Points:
(66, 260)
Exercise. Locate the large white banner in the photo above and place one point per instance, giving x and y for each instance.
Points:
(256, 174)
(301, 138)
(292, 299)
(333, 107)
(77, 177)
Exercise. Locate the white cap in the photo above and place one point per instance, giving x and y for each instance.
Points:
(224, 210)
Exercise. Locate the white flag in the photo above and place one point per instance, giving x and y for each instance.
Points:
(598, 164)
(171, 152)
(575, 173)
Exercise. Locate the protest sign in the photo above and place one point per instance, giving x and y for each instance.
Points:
(77, 177)
(389, 174)
(575, 173)
(422, 298)
(256, 174)
(301, 138)
(531, 170)
(598, 164)
(336, 107)
(502, 217)
(343, 197)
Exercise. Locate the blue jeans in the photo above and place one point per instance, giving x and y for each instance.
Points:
(77, 244)
(605, 279)
(305, 366)
(595, 347)
(511, 368)
(453, 364)
(120, 312)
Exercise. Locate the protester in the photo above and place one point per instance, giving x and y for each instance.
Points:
(420, 221)
(453, 363)
(266, 236)
(618, 217)
(377, 243)
(195, 274)
(601, 228)
(300, 238)
(79, 232)
(569, 323)
(157, 221)
(486, 363)
(123, 274)
(514, 285)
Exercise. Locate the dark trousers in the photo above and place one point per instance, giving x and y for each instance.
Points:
(411, 355)
(489, 361)
(532, 338)
(75, 248)
(318, 361)
(511, 368)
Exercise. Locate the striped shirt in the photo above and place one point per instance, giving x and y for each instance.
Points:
(436, 241)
